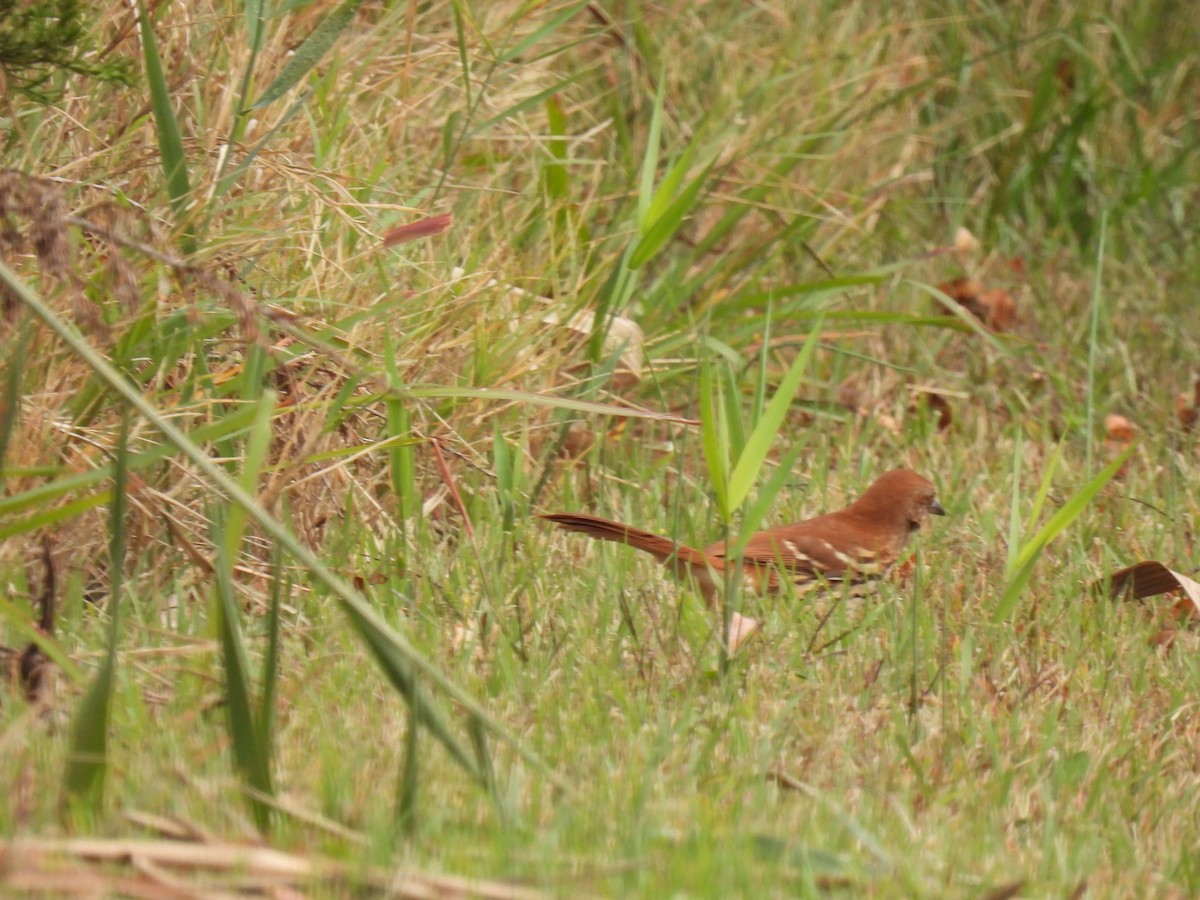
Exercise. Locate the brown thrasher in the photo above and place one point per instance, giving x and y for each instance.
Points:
(853, 544)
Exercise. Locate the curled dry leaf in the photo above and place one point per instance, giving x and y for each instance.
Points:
(995, 307)
(624, 335)
(1118, 429)
(1150, 578)
(965, 242)
(741, 629)
(941, 407)
(851, 396)
(421, 228)
(1119, 433)
(998, 309)
(1186, 408)
(936, 403)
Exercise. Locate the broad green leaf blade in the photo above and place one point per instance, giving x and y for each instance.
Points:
(257, 445)
(668, 188)
(538, 35)
(10, 402)
(650, 160)
(170, 144)
(87, 759)
(309, 53)
(766, 498)
(248, 745)
(662, 229)
(759, 444)
(1057, 524)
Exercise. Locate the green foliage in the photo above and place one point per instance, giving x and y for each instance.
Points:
(39, 38)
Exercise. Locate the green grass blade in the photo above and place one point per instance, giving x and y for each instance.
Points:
(388, 650)
(714, 437)
(1014, 508)
(528, 103)
(408, 782)
(39, 496)
(807, 288)
(554, 173)
(10, 401)
(310, 52)
(765, 499)
(25, 630)
(170, 143)
(1057, 524)
(464, 61)
(270, 668)
(229, 179)
(1039, 499)
(570, 403)
(1093, 327)
(540, 34)
(257, 445)
(244, 736)
(401, 452)
(661, 229)
(650, 158)
(87, 758)
(745, 472)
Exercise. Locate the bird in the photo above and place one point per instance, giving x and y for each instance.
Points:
(862, 541)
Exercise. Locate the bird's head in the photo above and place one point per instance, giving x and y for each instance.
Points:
(900, 497)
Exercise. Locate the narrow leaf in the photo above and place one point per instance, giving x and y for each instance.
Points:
(87, 759)
(170, 143)
(1057, 523)
(759, 443)
(309, 53)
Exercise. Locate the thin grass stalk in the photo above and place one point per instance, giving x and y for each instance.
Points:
(1092, 340)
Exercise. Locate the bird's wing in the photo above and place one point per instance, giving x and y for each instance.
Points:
(823, 547)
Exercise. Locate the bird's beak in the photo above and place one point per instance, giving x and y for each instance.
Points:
(936, 508)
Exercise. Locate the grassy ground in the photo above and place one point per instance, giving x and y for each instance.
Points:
(720, 175)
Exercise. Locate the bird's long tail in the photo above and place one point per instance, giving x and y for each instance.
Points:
(683, 560)
(660, 548)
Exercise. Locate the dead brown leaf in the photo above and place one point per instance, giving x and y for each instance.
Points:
(1119, 429)
(994, 307)
(1150, 578)
(1186, 408)
(421, 228)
